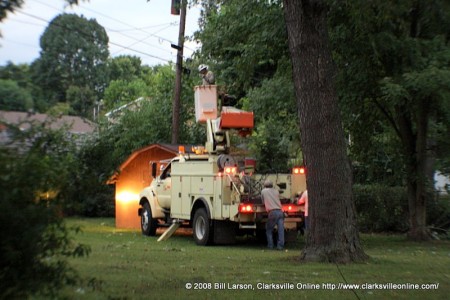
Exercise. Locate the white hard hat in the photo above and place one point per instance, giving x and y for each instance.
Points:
(268, 183)
(202, 67)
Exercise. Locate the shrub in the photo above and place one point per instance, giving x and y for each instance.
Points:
(385, 209)
(86, 193)
(34, 240)
(438, 213)
(381, 208)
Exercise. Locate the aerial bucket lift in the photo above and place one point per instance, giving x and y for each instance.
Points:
(218, 140)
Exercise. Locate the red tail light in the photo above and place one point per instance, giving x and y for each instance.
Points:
(291, 208)
(247, 208)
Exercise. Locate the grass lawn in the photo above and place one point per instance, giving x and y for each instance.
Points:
(124, 264)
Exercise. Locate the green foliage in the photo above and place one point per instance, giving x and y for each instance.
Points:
(250, 56)
(243, 42)
(74, 53)
(10, 6)
(274, 97)
(439, 214)
(127, 81)
(125, 67)
(380, 208)
(35, 241)
(87, 193)
(378, 161)
(59, 109)
(81, 99)
(275, 140)
(151, 122)
(393, 61)
(120, 92)
(270, 146)
(13, 97)
(17, 90)
(19, 73)
(441, 129)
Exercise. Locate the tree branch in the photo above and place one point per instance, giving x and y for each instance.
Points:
(388, 116)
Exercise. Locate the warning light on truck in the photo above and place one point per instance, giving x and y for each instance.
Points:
(299, 171)
(230, 170)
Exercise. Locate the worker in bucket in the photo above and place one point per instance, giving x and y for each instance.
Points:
(271, 198)
(207, 76)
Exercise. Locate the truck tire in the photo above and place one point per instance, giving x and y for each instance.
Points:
(201, 228)
(148, 224)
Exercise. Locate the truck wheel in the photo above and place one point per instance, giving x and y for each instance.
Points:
(148, 224)
(201, 228)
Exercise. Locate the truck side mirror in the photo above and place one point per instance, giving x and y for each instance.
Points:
(154, 170)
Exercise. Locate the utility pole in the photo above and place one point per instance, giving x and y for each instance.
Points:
(179, 70)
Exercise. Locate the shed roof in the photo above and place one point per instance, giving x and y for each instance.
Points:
(167, 147)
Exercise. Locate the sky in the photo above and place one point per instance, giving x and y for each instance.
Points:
(141, 28)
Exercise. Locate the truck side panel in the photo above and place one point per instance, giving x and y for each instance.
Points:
(191, 181)
(227, 208)
(181, 203)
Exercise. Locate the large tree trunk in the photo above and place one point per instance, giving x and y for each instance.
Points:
(415, 147)
(333, 236)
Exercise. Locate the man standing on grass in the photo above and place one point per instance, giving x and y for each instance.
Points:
(271, 198)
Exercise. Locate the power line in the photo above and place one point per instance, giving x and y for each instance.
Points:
(142, 41)
(115, 31)
(50, 6)
(132, 28)
(20, 43)
(109, 30)
(121, 22)
(25, 22)
(84, 34)
(143, 28)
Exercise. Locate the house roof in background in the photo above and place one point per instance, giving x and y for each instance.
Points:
(76, 124)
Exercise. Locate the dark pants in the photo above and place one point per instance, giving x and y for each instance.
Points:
(276, 217)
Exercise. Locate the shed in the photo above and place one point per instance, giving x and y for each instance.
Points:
(132, 177)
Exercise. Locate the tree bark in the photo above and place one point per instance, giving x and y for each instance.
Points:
(415, 149)
(333, 236)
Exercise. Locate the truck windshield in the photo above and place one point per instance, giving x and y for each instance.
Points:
(166, 172)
